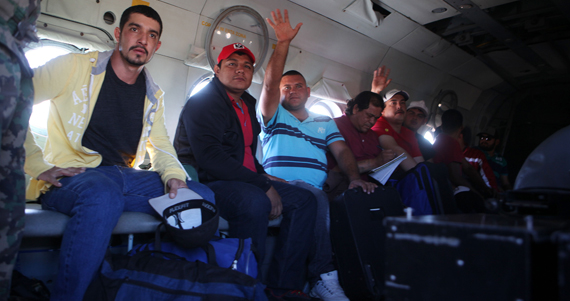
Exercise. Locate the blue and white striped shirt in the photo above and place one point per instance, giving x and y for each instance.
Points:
(295, 150)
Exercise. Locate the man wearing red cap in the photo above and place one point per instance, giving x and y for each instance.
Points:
(217, 134)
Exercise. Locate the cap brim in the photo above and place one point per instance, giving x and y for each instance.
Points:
(160, 203)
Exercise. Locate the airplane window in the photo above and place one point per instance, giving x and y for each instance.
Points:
(39, 54)
(238, 24)
(429, 137)
(199, 84)
(326, 107)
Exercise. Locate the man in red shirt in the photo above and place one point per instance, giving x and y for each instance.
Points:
(392, 134)
(477, 159)
(361, 114)
(448, 151)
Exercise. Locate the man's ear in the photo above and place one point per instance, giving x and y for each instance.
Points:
(158, 45)
(308, 92)
(216, 69)
(355, 109)
(117, 34)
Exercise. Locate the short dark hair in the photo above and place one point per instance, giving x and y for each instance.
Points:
(451, 120)
(143, 10)
(363, 101)
(294, 72)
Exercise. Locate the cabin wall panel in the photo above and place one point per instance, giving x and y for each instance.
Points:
(195, 6)
(169, 74)
(179, 30)
(467, 94)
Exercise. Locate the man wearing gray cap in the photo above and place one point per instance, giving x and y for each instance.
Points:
(392, 134)
(416, 117)
(488, 143)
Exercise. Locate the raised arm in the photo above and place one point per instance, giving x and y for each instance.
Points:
(380, 80)
(269, 100)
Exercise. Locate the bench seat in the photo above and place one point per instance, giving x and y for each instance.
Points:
(47, 223)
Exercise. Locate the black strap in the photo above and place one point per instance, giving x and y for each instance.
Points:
(210, 254)
(157, 237)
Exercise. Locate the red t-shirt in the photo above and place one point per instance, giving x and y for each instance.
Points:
(406, 139)
(245, 122)
(363, 145)
(478, 160)
(447, 150)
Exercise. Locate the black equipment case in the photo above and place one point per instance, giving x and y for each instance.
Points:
(540, 201)
(471, 257)
(357, 235)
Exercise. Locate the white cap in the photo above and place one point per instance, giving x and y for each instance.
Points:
(419, 105)
(393, 92)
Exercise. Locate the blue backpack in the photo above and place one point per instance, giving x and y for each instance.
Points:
(225, 269)
(417, 190)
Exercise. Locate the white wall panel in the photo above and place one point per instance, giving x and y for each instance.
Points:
(170, 75)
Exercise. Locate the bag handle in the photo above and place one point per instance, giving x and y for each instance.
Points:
(157, 236)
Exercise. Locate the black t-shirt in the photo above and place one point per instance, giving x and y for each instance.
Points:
(116, 123)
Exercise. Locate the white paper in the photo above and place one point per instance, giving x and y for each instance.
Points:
(383, 173)
(162, 202)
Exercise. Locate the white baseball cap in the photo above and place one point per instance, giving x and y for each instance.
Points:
(419, 105)
(393, 92)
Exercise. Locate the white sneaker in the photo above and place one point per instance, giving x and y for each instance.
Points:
(328, 288)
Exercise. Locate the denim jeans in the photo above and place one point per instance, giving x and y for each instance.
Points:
(246, 208)
(95, 200)
(321, 256)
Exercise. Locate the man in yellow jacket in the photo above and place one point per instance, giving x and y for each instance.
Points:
(106, 112)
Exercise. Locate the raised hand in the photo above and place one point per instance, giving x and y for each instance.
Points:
(281, 26)
(380, 80)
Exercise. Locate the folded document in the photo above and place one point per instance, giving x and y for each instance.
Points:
(383, 173)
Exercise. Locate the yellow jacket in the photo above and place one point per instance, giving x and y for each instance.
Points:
(73, 82)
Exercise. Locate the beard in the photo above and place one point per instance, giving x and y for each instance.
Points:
(137, 61)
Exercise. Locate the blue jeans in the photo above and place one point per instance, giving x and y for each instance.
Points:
(246, 208)
(95, 200)
(321, 256)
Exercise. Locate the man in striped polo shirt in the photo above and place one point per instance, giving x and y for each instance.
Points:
(295, 142)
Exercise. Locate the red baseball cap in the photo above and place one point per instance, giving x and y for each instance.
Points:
(235, 47)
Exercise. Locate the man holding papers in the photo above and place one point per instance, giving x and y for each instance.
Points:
(360, 115)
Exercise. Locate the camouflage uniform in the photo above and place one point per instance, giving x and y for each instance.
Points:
(17, 26)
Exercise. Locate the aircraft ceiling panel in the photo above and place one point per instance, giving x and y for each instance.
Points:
(490, 3)
(193, 6)
(392, 29)
(416, 74)
(421, 11)
(512, 63)
(432, 49)
(550, 55)
(319, 35)
(478, 74)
